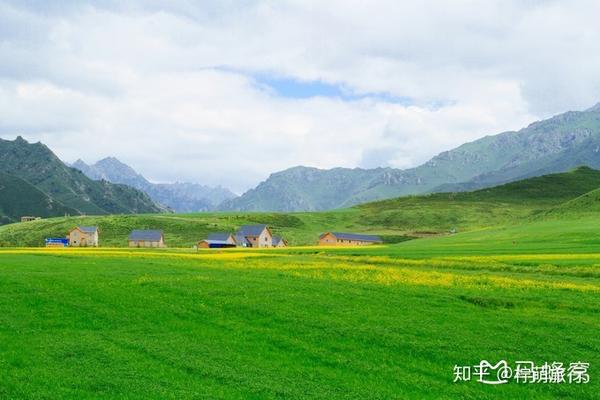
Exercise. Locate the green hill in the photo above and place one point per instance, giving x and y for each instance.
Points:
(38, 166)
(18, 198)
(515, 201)
(588, 203)
(394, 219)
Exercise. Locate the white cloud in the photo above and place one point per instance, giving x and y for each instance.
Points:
(167, 87)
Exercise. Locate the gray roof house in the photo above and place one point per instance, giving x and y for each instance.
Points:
(220, 236)
(251, 230)
(254, 236)
(218, 240)
(241, 240)
(146, 238)
(83, 236)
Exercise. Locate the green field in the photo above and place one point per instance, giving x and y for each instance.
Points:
(307, 323)
(520, 281)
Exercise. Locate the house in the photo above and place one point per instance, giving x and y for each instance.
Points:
(222, 236)
(56, 242)
(347, 239)
(28, 218)
(254, 236)
(241, 241)
(279, 241)
(146, 238)
(218, 241)
(83, 236)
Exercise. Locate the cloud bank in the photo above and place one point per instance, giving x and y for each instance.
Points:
(229, 92)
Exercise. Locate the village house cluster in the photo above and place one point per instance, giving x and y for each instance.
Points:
(257, 236)
(260, 236)
(250, 236)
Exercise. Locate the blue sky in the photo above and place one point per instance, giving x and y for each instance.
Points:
(298, 89)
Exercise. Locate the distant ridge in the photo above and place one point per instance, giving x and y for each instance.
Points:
(43, 185)
(554, 145)
(180, 197)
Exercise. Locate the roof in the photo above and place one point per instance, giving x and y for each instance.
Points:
(87, 229)
(355, 236)
(151, 235)
(277, 239)
(251, 230)
(56, 240)
(222, 236)
(241, 239)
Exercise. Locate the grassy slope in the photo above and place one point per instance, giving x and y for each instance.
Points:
(586, 204)
(503, 204)
(578, 235)
(392, 218)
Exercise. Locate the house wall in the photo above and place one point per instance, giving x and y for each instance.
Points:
(147, 243)
(328, 240)
(78, 238)
(203, 244)
(331, 240)
(353, 243)
(253, 241)
(94, 238)
(264, 240)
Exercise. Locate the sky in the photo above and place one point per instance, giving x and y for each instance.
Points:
(228, 92)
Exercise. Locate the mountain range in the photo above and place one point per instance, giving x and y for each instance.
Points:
(180, 197)
(554, 145)
(34, 181)
(33, 178)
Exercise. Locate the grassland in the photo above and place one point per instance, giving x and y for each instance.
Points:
(303, 323)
